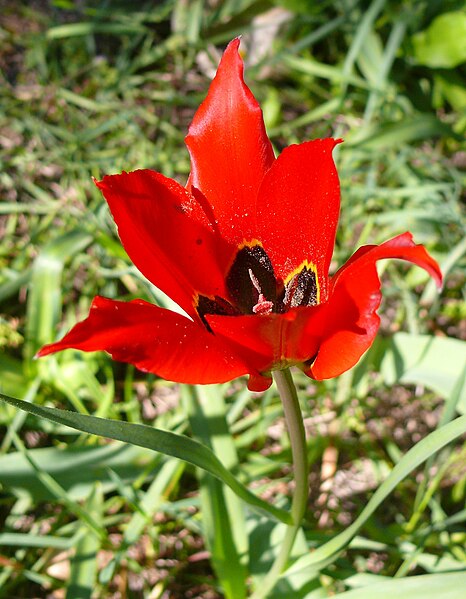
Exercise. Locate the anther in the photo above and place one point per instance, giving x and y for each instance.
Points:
(290, 291)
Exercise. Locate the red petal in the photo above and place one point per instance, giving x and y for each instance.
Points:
(155, 340)
(259, 383)
(354, 298)
(298, 208)
(229, 148)
(175, 252)
(271, 341)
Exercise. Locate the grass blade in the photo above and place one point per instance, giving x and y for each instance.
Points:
(447, 586)
(436, 440)
(222, 513)
(84, 562)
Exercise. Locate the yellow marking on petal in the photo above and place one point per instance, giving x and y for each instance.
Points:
(310, 266)
(250, 244)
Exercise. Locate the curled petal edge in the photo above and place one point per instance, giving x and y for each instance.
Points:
(352, 320)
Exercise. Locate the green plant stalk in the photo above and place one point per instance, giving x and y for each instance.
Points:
(295, 426)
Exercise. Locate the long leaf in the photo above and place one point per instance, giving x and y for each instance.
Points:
(171, 444)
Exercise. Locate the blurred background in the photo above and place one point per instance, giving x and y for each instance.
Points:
(89, 88)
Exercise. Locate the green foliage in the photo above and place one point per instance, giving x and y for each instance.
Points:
(450, 586)
(94, 88)
(442, 43)
(227, 520)
(436, 362)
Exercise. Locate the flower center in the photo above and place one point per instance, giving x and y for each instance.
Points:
(254, 289)
(251, 281)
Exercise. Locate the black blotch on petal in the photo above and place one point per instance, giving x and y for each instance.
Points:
(302, 290)
(240, 287)
(217, 305)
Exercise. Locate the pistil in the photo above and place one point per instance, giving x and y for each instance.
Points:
(262, 306)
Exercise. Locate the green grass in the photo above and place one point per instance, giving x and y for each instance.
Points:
(90, 91)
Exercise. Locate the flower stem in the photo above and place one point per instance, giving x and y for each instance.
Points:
(295, 426)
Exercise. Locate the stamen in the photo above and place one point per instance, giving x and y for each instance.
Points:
(290, 291)
(254, 281)
(262, 306)
(250, 276)
(302, 289)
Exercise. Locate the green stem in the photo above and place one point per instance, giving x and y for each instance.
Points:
(295, 426)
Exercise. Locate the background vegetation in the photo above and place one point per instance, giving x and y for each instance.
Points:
(89, 88)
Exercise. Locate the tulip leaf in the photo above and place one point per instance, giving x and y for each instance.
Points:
(327, 553)
(166, 442)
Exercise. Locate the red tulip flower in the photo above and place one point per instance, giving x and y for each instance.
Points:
(245, 250)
